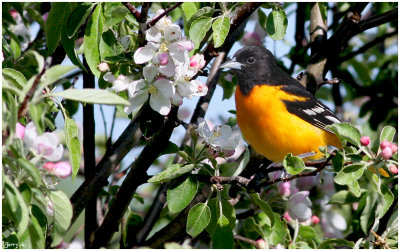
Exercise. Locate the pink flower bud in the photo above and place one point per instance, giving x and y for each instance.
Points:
(393, 169)
(365, 140)
(287, 216)
(387, 152)
(284, 188)
(252, 38)
(103, 67)
(163, 58)
(393, 147)
(315, 220)
(261, 244)
(45, 16)
(14, 13)
(186, 44)
(62, 169)
(49, 166)
(385, 144)
(197, 61)
(20, 130)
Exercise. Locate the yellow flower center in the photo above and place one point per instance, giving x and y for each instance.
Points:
(163, 48)
(153, 89)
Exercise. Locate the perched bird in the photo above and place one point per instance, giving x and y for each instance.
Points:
(276, 114)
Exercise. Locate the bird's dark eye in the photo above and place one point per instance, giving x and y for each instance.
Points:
(251, 60)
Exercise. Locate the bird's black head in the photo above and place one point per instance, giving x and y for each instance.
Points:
(254, 65)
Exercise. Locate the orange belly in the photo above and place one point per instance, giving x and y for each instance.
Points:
(274, 133)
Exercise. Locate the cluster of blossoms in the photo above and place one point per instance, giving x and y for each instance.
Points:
(220, 139)
(168, 71)
(387, 150)
(46, 146)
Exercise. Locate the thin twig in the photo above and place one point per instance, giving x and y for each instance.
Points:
(244, 239)
(23, 109)
(132, 9)
(152, 22)
(377, 20)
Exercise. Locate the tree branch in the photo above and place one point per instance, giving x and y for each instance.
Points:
(377, 20)
(89, 156)
(152, 22)
(244, 239)
(132, 9)
(367, 46)
(113, 156)
(136, 177)
(23, 109)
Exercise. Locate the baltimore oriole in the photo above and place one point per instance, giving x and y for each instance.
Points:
(276, 114)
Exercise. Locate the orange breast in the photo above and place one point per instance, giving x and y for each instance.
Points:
(272, 130)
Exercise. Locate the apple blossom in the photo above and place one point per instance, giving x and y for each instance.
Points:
(394, 148)
(300, 206)
(365, 140)
(103, 67)
(387, 153)
(287, 216)
(261, 244)
(20, 130)
(47, 145)
(315, 220)
(220, 137)
(284, 188)
(393, 169)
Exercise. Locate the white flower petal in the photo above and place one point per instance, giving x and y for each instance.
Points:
(137, 101)
(176, 99)
(134, 86)
(300, 211)
(30, 135)
(145, 54)
(109, 77)
(150, 72)
(56, 154)
(178, 53)
(160, 103)
(168, 69)
(153, 34)
(204, 130)
(172, 32)
(165, 87)
(121, 83)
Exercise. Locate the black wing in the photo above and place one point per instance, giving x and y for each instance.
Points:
(311, 110)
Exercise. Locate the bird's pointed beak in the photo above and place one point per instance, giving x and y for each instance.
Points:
(233, 64)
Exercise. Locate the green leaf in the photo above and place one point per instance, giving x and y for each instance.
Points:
(36, 233)
(387, 133)
(181, 192)
(198, 218)
(54, 24)
(31, 170)
(15, 45)
(115, 13)
(92, 96)
(251, 226)
(199, 28)
(55, 73)
(308, 235)
(73, 144)
(346, 133)
(355, 189)
(78, 18)
(339, 243)
(349, 174)
(189, 9)
(15, 77)
(342, 197)
(171, 148)
(93, 32)
(323, 8)
(109, 46)
(62, 216)
(15, 204)
(277, 234)
(223, 235)
(386, 199)
(172, 172)
(227, 210)
(69, 45)
(264, 206)
(262, 18)
(26, 193)
(203, 12)
(276, 24)
(368, 212)
(220, 28)
(293, 164)
(338, 161)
